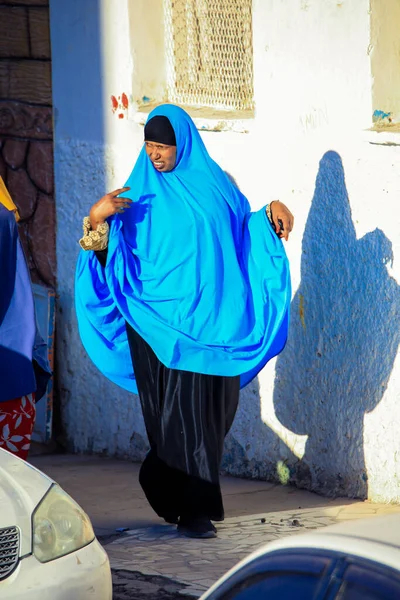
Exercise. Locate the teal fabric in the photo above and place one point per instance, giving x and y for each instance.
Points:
(200, 277)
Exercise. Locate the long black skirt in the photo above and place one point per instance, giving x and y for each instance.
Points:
(187, 416)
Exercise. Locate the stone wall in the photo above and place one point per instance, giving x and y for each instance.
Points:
(26, 129)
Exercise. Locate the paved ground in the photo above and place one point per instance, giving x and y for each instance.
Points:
(150, 560)
(197, 564)
(130, 585)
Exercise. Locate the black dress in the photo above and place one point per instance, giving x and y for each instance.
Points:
(187, 416)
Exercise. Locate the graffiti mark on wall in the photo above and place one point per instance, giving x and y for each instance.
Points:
(381, 115)
(120, 105)
(316, 118)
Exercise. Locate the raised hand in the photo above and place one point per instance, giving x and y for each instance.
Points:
(108, 205)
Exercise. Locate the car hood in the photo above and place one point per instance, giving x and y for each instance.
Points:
(22, 487)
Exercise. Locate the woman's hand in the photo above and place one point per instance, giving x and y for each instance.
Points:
(282, 219)
(108, 205)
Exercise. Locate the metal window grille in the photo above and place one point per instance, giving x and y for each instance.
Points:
(9, 550)
(209, 53)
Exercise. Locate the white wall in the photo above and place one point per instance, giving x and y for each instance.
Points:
(326, 411)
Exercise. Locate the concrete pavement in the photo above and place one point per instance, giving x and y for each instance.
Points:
(256, 513)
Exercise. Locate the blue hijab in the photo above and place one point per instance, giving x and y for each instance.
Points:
(24, 366)
(199, 276)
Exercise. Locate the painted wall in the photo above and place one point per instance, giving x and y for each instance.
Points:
(324, 414)
(97, 416)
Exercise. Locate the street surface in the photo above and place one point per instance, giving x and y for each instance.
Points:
(150, 561)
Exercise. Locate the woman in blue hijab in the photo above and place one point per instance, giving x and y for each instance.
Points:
(184, 298)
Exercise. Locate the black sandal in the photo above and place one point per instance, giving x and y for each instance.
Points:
(197, 527)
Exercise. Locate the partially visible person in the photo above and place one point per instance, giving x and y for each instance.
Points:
(24, 367)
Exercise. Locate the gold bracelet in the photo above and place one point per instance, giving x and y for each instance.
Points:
(94, 239)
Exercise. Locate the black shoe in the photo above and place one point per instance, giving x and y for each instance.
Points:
(197, 527)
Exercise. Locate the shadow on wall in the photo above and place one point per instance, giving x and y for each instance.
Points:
(343, 340)
(251, 438)
(78, 96)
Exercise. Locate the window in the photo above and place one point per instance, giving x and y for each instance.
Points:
(276, 586)
(369, 583)
(278, 576)
(209, 53)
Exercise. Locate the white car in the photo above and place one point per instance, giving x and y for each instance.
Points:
(48, 550)
(354, 560)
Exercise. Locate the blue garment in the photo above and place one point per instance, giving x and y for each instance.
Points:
(201, 278)
(17, 314)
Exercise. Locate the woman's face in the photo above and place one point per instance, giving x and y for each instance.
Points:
(162, 156)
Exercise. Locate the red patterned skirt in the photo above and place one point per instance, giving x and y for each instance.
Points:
(17, 418)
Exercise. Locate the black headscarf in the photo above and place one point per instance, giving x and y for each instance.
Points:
(159, 129)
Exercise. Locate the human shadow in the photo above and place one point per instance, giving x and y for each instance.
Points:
(343, 340)
(131, 218)
(136, 214)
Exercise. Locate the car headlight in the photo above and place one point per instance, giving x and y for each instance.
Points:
(59, 526)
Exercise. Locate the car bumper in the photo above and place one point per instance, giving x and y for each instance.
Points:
(81, 575)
